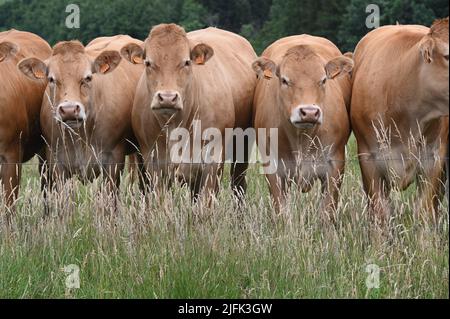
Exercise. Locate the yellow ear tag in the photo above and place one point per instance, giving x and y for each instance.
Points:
(39, 74)
(137, 60)
(268, 74)
(200, 60)
(104, 68)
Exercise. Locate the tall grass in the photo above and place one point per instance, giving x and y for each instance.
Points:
(169, 248)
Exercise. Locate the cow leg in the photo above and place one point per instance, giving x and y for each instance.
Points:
(331, 186)
(53, 179)
(11, 171)
(142, 173)
(239, 171)
(46, 180)
(431, 186)
(376, 188)
(206, 184)
(238, 179)
(278, 191)
(133, 169)
(447, 174)
(114, 171)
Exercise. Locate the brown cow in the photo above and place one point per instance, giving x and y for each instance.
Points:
(304, 91)
(399, 111)
(201, 76)
(20, 103)
(86, 113)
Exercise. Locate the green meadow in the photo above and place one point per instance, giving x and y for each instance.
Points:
(167, 247)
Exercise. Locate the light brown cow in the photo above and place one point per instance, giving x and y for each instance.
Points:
(20, 105)
(399, 111)
(86, 113)
(201, 76)
(304, 91)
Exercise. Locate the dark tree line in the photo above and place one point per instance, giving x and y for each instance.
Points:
(261, 21)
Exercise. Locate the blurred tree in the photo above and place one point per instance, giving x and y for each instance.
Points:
(193, 15)
(353, 26)
(99, 17)
(261, 21)
(234, 15)
(290, 17)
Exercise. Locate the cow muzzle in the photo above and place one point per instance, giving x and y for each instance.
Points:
(167, 102)
(71, 113)
(307, 116)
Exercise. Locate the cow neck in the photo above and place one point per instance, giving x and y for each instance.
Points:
(93, 122)
(191, 111)
(300, 139)
(87, 133)
(192, 98)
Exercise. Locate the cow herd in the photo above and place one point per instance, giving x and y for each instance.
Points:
(82, 109)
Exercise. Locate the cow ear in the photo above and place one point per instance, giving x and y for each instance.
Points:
(339, 66)
(426, 49)
(201, 53)
(106, 62)
(133, 53)
(33, 68)
(8, 50)
(265, 68)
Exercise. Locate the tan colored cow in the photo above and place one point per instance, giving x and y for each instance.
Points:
(400, 111)
(201, 76)
(20, 105)
(86, 113)
(304, 91)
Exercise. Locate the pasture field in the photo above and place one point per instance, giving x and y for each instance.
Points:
(173, 249)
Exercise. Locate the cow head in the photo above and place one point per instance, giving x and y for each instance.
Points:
(8, 50)
(70, 73)
(302, 83)
(169, 58)
(434, 51)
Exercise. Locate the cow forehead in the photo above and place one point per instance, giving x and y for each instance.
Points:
(167, 49)
(167, 40)
(167, 33)
(69, 65)
(440, 30)
(310, 65)
(68, 48)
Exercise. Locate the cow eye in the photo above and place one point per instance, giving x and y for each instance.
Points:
(188, 63)
(88, 79)
(285, 81)
(148, 63)
(323, 81)
(51, 80)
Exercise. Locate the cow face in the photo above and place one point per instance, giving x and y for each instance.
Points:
(8, 51)
(434, 50)
(169, 59)
(302, 83)
(70, 74)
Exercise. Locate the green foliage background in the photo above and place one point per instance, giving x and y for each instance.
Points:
(261, 21)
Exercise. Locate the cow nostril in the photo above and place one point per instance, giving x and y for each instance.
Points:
(175, 98)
